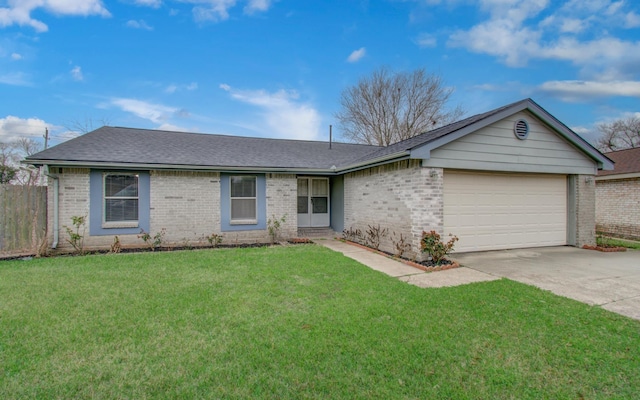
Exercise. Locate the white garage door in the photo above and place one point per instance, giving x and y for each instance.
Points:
(491, 211)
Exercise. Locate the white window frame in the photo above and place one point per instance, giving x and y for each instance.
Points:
(118, 224)
(245, 221)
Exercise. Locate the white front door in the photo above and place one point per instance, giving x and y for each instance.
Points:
(313, 202)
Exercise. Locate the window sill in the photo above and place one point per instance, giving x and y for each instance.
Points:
(120, 224)
(244, 222)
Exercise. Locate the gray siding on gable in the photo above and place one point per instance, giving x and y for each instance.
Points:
(495, 148)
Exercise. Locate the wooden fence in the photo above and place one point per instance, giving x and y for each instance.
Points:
(23, 219)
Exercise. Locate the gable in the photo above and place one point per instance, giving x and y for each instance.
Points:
(496, 148)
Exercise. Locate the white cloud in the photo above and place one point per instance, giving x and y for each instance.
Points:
(426, 40)
(13, 128)
(171, 127)
(357, 55)
(148, 3)
(283, 114)
(174, 88)
(19, 12)
(211, 10)
(141, 24)
(156, 113)
(579, 90)
(577, 31)
(15, 79)
(16, 56)
(76, 74)
(218, 10)
(632, 20)
(255, 6)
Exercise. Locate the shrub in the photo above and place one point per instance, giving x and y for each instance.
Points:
(352, 235)
(157, 238)
(214, 239)
(75, 238)
(400, 244)
(274, 225)
(432, 244)
(374, 235)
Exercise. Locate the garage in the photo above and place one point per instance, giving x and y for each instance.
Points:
(493, 211)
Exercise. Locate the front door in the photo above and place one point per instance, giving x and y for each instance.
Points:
(313, 202)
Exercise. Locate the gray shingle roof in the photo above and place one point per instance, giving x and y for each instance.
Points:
(141, 146)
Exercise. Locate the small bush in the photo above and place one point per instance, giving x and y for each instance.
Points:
(432, 244)
(274, 225)
(76, 239)
(152, 241)
(400, 244)
(352, 235)
(214, 239)
(374, 235)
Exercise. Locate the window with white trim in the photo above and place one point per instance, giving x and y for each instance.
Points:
(243, 200)
(120, 200)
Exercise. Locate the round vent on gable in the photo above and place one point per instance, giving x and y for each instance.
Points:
(521, 129)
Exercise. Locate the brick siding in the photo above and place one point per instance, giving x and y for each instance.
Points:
(618, 208)
(185, 203)
(585, 210)
(403, 197)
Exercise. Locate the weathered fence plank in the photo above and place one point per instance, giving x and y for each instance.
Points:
(23, 218)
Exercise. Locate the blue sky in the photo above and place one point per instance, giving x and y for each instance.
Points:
(276, 68)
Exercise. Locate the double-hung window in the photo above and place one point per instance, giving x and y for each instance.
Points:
(243, 200)
(120, 200)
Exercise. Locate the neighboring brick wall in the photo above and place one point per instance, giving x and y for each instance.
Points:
(186, 204)
(402, 197)
(585, 210)
(618, 207)
(282, 200)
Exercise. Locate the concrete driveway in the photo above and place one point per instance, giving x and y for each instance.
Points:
(610, 280)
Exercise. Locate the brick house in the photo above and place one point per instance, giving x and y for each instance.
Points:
(618, 196)
(512, 177)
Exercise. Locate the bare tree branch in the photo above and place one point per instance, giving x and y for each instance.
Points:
(619, 135)
(388, 107)
(86, 125)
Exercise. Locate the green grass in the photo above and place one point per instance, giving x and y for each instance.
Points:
(295, 322)
(608, 241)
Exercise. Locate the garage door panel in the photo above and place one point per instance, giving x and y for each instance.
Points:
(490, 211)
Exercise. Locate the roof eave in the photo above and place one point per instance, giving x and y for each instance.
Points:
(402, 155)
(628, 175)
(174, 167)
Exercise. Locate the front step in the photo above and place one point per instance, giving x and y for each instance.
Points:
(316, 233)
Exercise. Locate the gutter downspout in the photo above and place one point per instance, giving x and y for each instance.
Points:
(56, 193)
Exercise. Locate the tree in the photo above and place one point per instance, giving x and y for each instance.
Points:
(387, 107)
(619, 135)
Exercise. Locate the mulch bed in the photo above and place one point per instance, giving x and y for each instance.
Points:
(145, 249)
(427, 265)
(604, 249)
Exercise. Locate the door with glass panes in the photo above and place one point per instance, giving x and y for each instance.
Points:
(313, 202)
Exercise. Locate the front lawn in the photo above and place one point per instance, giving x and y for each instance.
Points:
(295, 322)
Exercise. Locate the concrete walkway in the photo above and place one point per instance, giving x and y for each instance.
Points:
(406, 273)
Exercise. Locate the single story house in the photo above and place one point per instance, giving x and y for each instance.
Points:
(618, 196)
(512, 177)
